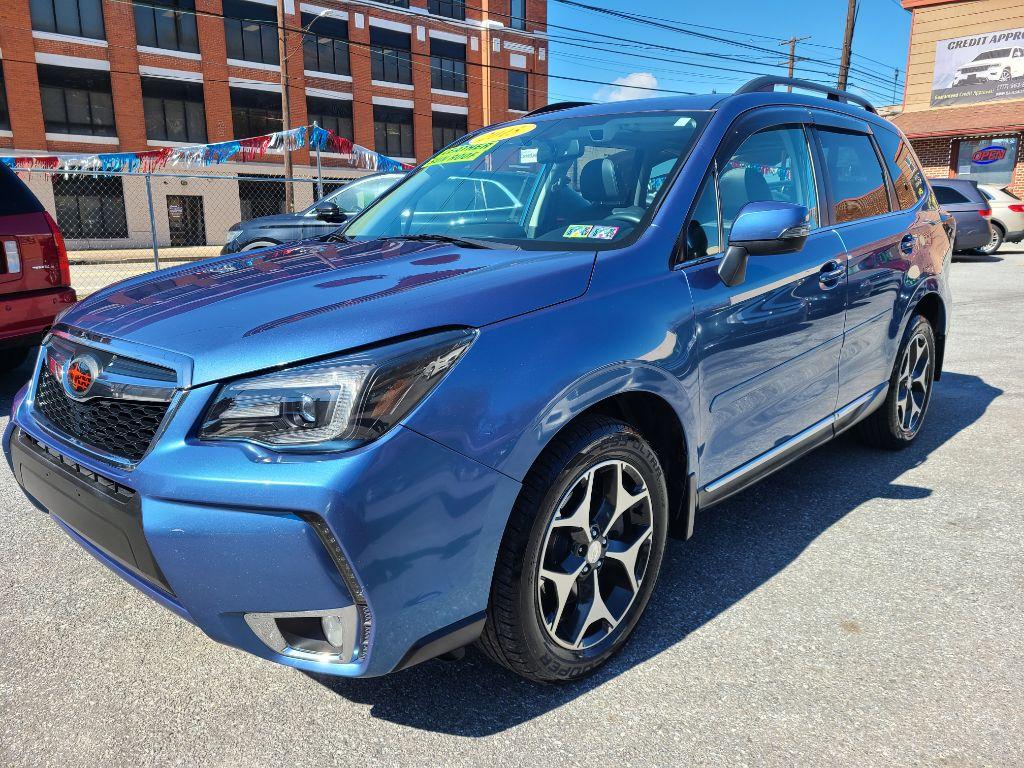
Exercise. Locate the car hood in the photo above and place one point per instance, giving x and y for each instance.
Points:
(276, 220)
(237, 314)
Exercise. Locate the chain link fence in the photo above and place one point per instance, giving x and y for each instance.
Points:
(120, 225)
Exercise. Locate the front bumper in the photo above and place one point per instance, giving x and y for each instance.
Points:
(234, 532)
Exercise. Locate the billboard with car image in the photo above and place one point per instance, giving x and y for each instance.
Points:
(979, 68)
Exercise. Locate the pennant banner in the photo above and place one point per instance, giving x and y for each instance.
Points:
(243, 150)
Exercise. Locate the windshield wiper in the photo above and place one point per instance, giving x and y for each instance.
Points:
(465, 242)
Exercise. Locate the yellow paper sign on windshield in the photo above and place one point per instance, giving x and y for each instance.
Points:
(460, 154)
(500, 134)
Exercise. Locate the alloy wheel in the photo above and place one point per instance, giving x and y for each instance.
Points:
(913, 383)
(993, 243)
(595, 555)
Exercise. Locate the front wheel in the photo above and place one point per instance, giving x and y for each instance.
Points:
(900, 418)
(580, 555)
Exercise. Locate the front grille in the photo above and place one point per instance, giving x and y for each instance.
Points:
(122, 428)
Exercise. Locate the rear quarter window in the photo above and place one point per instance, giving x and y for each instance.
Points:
(15, 196)
(948, 196)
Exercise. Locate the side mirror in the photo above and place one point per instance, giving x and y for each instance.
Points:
(331, 213)
(762, 229)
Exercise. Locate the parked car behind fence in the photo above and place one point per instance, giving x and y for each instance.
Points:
(35, 282)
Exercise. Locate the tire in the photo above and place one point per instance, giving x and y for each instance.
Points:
(994, 244)
(897, 423)
(1005, 76)
(522, 631)
(12, 359)
(257, 245)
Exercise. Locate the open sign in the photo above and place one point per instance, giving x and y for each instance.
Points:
(987, 155)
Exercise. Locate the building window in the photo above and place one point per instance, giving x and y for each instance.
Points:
(453, 9)
(76, 101)
(396, 3)
(255, 113)
(390, 57)
(447, 128)
(447, 65)
(325, 49)
(90, 206)
(171, 26)
(251, 32)
(260, 198)
(174, 110)
(518, 91)
(333, 114)
(81, 18)
(987, 161)
(517, 19)
(392, 131)
(5, 116)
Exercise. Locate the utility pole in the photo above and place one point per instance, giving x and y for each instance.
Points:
(792, 55)
(286, 107)
(844, 63)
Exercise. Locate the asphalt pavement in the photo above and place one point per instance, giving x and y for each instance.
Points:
(856, 608)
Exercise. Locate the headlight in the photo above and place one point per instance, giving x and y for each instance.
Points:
(337, 404)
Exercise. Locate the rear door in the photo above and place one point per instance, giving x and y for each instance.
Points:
(884, 232)
(769, 347)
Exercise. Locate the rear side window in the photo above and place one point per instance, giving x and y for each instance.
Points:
(948, 196)
(858, 185)
(15, 196)
(907, 177)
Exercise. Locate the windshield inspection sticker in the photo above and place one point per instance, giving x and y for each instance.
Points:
(500, 134)
(577, 230)
(460, 154)
(604, 233)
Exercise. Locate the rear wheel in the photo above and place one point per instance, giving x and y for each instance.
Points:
(993, 244)
(900, 418)
(580, 555)
(1005, 76)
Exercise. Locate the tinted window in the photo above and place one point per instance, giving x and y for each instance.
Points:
(90, 206)
(76, 101)
(948, 196)
(255, 113)
(333, 114)
(774, 164)
(5, 118)
(907, 177)
(15, 196)
(858, 186)
(174, 110)
(250, 31)
(171, 26)
(80, 18)
(392, 131)
(326, 48)
(447, 127)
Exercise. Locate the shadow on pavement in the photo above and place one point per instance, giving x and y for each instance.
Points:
(737, 547)
(12, 381)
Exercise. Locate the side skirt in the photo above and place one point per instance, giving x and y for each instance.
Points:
(781, 455)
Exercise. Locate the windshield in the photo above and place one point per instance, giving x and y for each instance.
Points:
(1001, 53)
(585, 182)
(358, 194)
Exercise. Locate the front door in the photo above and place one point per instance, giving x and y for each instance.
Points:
(769, 347)
(186, 220)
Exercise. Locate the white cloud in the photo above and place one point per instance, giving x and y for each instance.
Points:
(636, 85)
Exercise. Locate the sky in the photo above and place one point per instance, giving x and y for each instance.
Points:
(637, 60)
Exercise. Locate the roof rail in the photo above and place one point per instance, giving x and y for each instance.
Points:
(767, 84)
(556, 107)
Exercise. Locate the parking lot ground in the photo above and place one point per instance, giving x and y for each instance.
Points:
(856, 608)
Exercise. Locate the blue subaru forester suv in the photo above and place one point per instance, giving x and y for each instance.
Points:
(476, 412)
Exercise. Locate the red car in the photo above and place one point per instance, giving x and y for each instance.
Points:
(35, 280)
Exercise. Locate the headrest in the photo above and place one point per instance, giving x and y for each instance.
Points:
(599, 182)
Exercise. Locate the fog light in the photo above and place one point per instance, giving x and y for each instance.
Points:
(334, 630)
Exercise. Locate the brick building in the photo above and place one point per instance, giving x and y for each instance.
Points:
(403, 77)
(964, 97)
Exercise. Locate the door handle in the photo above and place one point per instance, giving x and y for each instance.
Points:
(831, 273)
(907, 244)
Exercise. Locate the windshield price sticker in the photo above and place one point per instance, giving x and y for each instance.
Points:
(461, 154)
(500, 134)
(590, 231)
